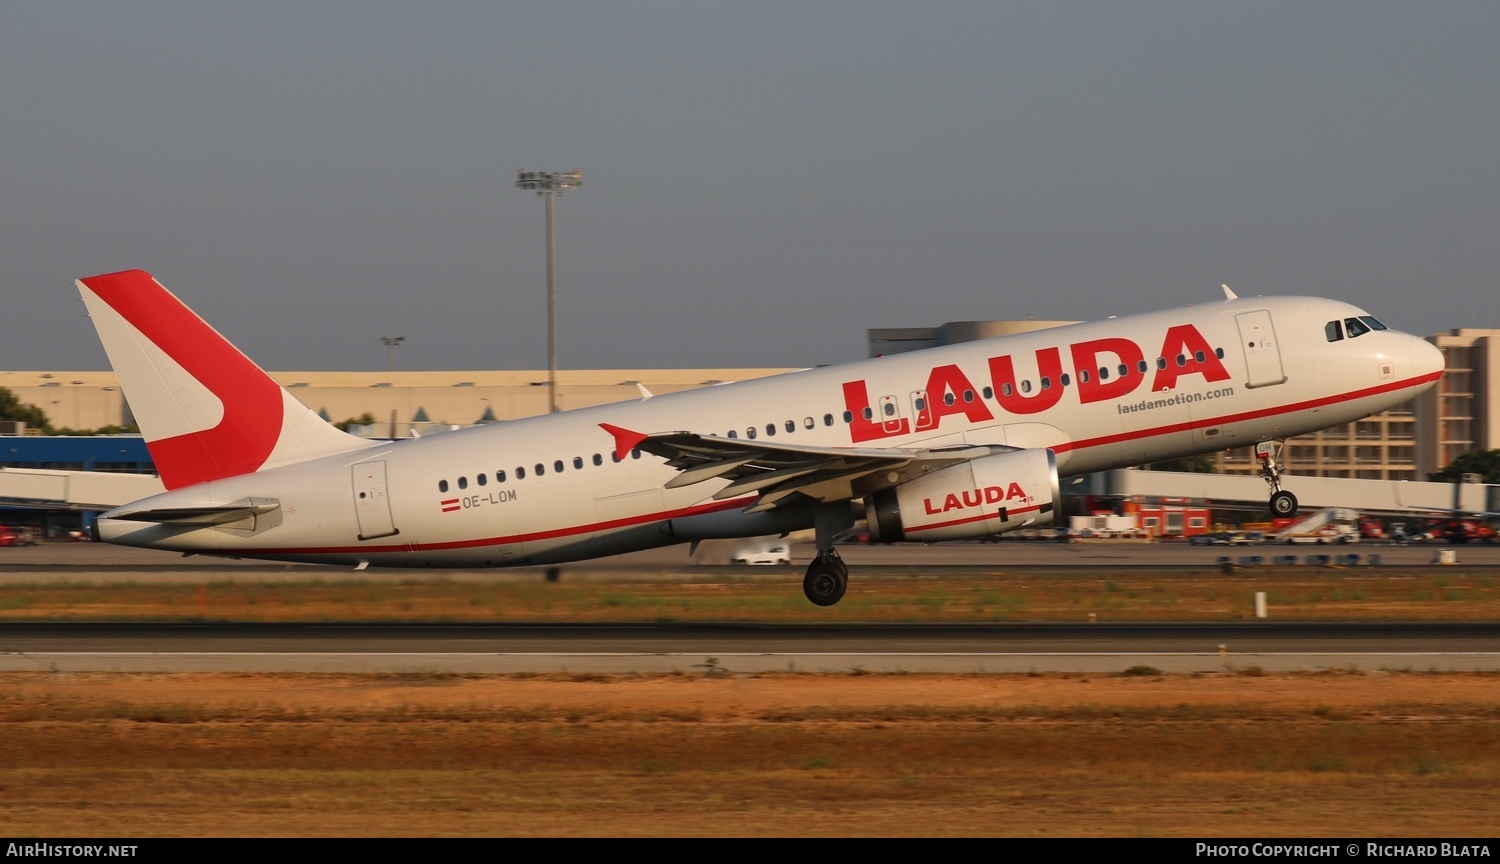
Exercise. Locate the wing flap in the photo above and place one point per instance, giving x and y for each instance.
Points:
(780, 471)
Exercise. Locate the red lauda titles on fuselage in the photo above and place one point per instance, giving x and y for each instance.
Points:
(1097, 366)
(975, 497)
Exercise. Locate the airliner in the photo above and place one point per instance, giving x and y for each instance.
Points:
(947, 443)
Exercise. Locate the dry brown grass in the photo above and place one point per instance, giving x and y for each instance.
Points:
(1379, 754)
(1303, 594)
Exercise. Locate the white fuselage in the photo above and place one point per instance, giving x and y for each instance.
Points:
(548, 489)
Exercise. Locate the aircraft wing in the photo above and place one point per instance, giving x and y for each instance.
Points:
(781, 472)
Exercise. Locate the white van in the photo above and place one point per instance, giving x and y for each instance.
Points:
(762, 551)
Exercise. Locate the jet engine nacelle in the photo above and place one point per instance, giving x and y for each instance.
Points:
(984, 496)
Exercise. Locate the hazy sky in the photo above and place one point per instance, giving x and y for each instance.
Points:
(763, 182)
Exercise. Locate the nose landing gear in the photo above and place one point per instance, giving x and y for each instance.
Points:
(1283, 503)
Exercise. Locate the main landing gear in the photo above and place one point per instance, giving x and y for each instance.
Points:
(1283, 503)
(826, 580)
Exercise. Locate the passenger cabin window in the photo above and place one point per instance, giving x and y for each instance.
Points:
(463, 482)
(1063, 380)
(808, 422)
(948, 399)
(520, 473)
(540, 469)
(499, 476)
(598, 460)
(442, 485)
(989, 392)
(1141, 366)
(1103, 373)
(482, 479)
(827, 419)
(578, 462)
(968, 395)
(1046, 383)
(733, 433)
(890, 409)
(770, 429)
(848, 416)
(557, 466)
(1026, 385)
(792, 427)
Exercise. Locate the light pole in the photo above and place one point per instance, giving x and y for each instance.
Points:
(390, 343)
(548, 184)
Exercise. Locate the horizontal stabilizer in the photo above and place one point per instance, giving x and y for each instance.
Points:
(243, 509)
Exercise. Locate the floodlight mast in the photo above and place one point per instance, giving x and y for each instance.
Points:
(390, 343)
(548, 184)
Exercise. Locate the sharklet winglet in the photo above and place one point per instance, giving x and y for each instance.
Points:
(625, 439)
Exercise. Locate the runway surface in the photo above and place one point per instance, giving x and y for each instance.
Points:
(747, 648)
(687, 648)
(94, 561)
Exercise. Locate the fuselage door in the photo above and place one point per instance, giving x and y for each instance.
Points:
(1262, 357)
(921, 411)
(890, 415)
(371, 503)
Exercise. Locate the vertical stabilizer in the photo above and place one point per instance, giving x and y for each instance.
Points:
(205, 410)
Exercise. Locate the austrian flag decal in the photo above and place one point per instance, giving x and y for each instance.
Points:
(449, 504)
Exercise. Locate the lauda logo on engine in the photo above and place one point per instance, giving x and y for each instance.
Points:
(975, 497)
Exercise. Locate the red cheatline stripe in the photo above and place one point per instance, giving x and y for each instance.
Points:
(696, 510)
(1246, 415)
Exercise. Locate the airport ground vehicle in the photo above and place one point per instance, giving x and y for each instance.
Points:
(1328, 525)
(19, 535)
(1457, 529)
(770, 552)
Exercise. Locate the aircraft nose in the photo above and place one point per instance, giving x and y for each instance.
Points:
(1426, 358)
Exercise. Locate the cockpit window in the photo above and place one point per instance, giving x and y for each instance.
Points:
(1356, 327)
(1374, 325)
(1335, 330)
